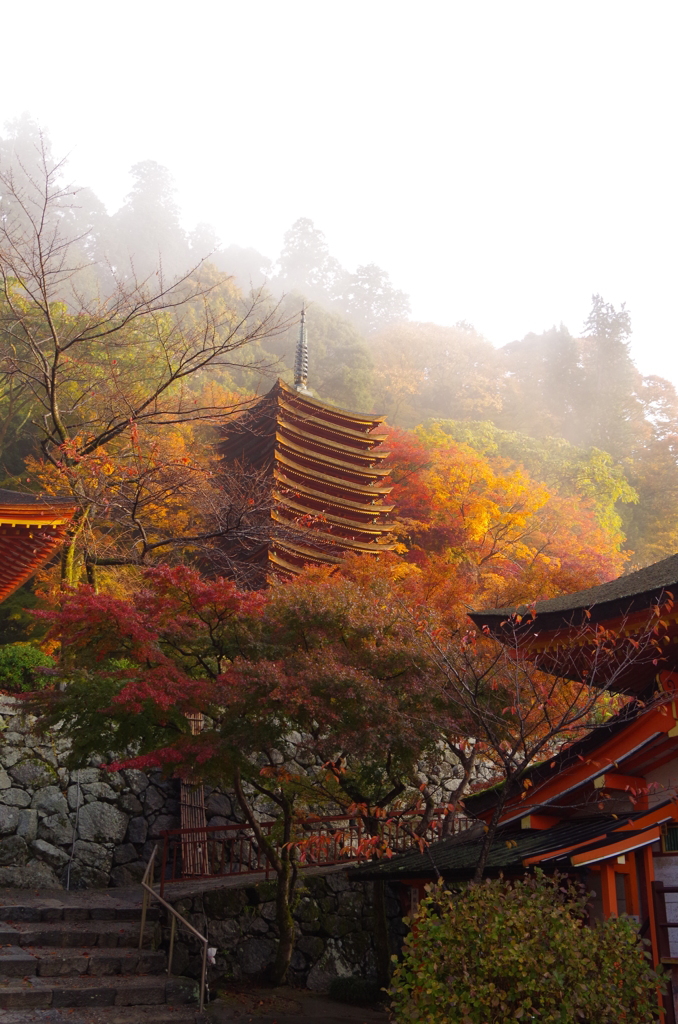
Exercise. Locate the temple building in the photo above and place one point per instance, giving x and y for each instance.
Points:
(32, 529)
(604, 809)
(323, 468)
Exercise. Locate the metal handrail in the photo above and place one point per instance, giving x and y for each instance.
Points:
(149, 892)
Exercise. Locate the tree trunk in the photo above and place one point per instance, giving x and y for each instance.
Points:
(285, 921)
(488, 839)
(382, 946)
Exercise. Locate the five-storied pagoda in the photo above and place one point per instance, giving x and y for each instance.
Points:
(324, 466)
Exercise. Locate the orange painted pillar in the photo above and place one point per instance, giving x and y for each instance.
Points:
(631, 886)
(608, 884)
(648, 865)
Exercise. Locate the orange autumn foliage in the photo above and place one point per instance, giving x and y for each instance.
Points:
(484, 533)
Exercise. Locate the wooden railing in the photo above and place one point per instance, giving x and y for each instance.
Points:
(219, 851)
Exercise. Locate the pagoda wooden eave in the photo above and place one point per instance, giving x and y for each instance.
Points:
(370, 472)
(370, 509)
(369, 455)
(372, 440)
(351, 524)
(287, 465)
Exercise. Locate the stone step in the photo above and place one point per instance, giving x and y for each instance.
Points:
(163, 1014)
(75, 933)
(52, 962)
(112, 991)
(105, 912)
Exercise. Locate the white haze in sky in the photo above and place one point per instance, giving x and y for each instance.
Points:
(501, 160)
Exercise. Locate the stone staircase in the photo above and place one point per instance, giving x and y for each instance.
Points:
(75, 957)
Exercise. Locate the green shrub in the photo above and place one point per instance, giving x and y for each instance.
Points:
(521, 951)
(18, 665)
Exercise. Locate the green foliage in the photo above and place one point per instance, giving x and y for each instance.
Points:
(589, 473)
(18, 665)
(521, 951)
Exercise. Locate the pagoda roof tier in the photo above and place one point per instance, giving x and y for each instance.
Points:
(371, 509)
(306, 553)
(334, 539)
(351, 524)
(352, 474)
(366, 456)
(32, 528)
(287, 465)
(324, 458)
(364, 422)
(347, 433)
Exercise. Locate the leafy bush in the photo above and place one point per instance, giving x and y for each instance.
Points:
(18, 665)
(521, 951)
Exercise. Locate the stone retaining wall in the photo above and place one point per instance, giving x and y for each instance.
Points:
(334, 920)
(89, 827)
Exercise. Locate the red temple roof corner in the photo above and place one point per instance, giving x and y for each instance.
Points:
(32, 528)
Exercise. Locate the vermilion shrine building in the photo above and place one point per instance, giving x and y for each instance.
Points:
(605, 809)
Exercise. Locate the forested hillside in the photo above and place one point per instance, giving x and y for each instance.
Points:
(519, 472)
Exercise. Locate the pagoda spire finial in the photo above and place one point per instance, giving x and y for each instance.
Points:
(301, 359)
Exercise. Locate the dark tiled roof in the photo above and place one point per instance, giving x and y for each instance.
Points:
(650, 580)
(456, 858)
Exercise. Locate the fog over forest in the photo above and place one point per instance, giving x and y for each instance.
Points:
(551, 402)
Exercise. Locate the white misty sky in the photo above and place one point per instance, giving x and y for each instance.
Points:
(502, 160)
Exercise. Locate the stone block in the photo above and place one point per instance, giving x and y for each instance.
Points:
(9, 819)
(224, 903)
(38, 875)
(13, 851)
(255, 955)
(130, 804)
(55, 857)
(16, 797)
(124, 854)
(102, 823)
(330, 966)
(136, 780)
(75, 798)
(219, 804)
(312, 945)
(50, 800)
(85, 776)
(162, 823)
(85, 877)
(5, 781)
(27, 826)
(137, 830)
(99, 791)
(32, 774)
(57, 829)
(93, 855)
(153, 799)
(128, 874)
